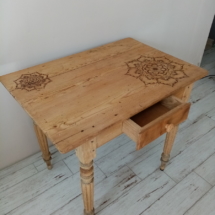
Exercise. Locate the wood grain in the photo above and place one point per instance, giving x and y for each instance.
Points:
(158, 127)
(151, 123)
(170, 138)
(43, 143)
(184, 93)
(172, 129)
(86, 153)
(109, 133)
(57, 193)
(73, 164)
(95, 91)
(145, 117)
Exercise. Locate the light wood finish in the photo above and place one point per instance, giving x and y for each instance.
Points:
(95, 89)
(86, 153)
(87, 186)
(142, 190)
(160, 118)
(170, 138)
(83, 100)
(43, 143)
(109, 133)
(169, 127)
(184, 95)
(171, 102)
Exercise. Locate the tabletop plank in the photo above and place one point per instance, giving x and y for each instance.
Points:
(82, 94)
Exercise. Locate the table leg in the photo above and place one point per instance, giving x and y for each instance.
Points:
(170, 138)
(43, 143)
(184, 95)
(86, 153)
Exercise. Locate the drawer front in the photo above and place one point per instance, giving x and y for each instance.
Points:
(151, 131)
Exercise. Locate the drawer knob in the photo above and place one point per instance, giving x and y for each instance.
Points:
(169, 127)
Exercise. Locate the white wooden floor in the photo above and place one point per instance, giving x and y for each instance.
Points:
(128, 182)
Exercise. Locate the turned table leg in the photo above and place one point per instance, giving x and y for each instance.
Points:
(170, 138)
(43, 143)
(184, 95)
(86, 153)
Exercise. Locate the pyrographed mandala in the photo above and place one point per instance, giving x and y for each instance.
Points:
(156, 70)
(33, 81)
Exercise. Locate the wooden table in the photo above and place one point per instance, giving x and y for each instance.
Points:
(84, 100)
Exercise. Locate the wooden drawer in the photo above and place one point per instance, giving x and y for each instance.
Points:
(156, 120)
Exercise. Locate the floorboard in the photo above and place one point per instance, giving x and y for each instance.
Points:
(207, 170)
(56, 157)
(203, 90)
(18, 176)
(198, 83)
(192, 157)
(23, 163)
(181, 197)
(186, 137)
(32, 187)
(211, 114)
(205, 205)
(141, 196)
(202, 107)
(106, 192)
(122, 156)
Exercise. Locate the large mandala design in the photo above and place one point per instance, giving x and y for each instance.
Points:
(33, 81)
(153, 70)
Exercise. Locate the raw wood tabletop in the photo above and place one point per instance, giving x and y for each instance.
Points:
(74, 98)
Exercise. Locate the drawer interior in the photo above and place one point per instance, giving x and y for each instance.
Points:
(155, 111)
(156, 120)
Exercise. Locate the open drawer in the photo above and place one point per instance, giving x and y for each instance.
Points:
(156, 120)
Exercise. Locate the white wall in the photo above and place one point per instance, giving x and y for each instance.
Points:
(37, 31)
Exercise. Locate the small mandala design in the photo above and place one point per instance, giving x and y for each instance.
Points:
(33, 81)
(156, 70)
